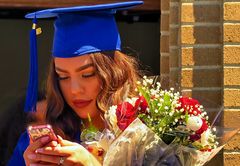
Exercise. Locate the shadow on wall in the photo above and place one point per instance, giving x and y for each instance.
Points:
(206, 60)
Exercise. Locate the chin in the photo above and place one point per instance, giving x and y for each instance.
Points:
(84, 114)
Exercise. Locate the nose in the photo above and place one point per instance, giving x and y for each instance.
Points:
(76, 87)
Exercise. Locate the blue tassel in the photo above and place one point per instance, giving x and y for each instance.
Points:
(32, 90)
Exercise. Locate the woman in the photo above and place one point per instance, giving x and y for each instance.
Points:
(88, 73)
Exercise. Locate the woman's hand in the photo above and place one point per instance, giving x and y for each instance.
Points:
(68, 153)
(30, 155)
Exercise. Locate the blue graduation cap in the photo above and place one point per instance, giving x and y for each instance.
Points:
(79, 30)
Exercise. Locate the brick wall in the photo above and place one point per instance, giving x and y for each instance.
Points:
(164, 43)
(200, 55)
(231, 79)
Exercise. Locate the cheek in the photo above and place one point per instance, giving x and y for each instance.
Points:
(64, 88)
(94, 88)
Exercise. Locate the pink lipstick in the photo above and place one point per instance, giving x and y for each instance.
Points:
(81, 103)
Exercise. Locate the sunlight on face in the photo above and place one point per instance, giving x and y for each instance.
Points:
(79, 84)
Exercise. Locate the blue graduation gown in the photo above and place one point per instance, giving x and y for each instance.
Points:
(17, 157)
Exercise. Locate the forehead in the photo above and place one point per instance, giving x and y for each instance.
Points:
(73, 61)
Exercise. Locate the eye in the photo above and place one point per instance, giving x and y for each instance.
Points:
(87, 75)
(62, 77)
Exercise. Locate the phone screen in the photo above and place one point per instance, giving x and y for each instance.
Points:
(36, 132)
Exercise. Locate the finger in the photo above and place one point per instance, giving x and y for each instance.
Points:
(44, 158)
(53, 144)
(42, 164)
(39, 143)
(61, 151)
(64, 142)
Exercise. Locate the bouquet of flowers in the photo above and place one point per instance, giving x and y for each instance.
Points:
(159, 127)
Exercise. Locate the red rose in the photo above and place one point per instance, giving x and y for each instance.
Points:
(142, 104)
(126, 114)
(191, 106)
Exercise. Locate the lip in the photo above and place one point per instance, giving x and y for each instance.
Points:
(81, 103)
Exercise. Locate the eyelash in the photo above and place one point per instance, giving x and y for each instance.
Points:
(83, 75)
(62, 78)
(88, 75)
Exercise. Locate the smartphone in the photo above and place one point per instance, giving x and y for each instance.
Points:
(36, 132)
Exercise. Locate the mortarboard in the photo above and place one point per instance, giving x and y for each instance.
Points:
(79, 30)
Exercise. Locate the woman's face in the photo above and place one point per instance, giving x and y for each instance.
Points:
(79, 83)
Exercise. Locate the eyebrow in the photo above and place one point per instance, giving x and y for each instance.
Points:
(77, 70)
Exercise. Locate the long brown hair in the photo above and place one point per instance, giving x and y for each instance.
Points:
(118, 74)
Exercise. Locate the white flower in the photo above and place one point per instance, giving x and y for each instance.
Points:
(132, 100)
(112, 113)
(205, 136)
(194, 123)
(166, 107)
(157, 96)
(112, 117)
(144, 83)
(153, 92)
(150, 81)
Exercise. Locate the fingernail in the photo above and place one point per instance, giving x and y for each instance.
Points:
(54, 143)
(33, 165)
(44, 139)
(39, 150)
(31, 156)
(59, 137)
